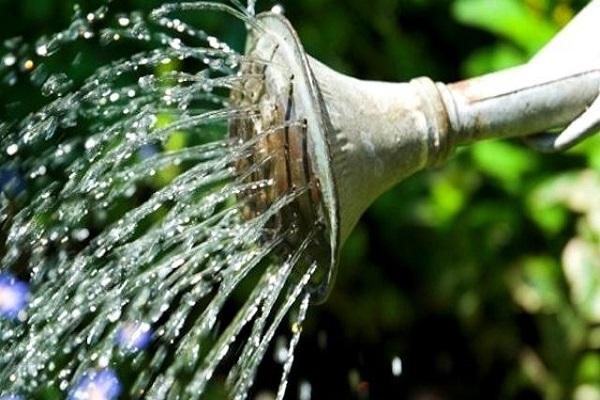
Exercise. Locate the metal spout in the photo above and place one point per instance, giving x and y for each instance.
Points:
(364, 137)
(383, 132)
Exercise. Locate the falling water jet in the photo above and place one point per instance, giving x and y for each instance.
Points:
(104, 262)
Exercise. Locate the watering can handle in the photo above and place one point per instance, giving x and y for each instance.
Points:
(559, 87)
(524, 101)
(583, 127)
(576, 42)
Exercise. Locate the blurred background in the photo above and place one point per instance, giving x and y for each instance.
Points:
(480, 279)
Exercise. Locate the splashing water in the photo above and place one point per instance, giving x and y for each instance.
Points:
(251, 9)
(125, 231)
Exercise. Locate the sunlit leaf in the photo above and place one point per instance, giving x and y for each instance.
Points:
(536, 284)
(504, 161)
(588, 370)
(493, 58)
(511, 19)
(581, 264)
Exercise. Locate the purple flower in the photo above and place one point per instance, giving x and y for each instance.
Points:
(11, 397)
(14, 295)
(97, 385)
(11, 182)
(134, 336)
(147, 151)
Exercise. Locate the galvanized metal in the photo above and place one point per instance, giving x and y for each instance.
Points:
(559, 88)
(519, 102)
(576, 44)
(364, 137)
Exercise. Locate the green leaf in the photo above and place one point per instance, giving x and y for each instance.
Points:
(581, 264)
(447, 198)
(510, 19)
(504, 161)
(493, 58)
(588, 370)
(546, 205)
(537, 285)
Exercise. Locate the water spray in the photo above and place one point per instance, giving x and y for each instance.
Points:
(363, 137)
(120, 247)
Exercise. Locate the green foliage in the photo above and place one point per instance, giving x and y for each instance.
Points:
(509, 19)
(505, 162)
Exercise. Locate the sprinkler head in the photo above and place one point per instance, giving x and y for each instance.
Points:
(290, 129)
(348, 141)
(351, 140)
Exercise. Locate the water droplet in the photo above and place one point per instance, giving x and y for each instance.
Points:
(90, 143)
(251, 9)
(12, 149)
(124, 21)
(146, 81)
(278, 9)
(81, 234)
(396, 366)
(56, 84)
(213, 42)
(114, 316)
(9, 60)
(42, 50)
(305, 391)
(134, 336)
(40, 171)
(175, 43)
(296, 328)
(281, 350)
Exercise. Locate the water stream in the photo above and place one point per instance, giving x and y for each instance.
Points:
(130, 266)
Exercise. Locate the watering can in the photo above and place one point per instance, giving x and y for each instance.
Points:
(362, 137)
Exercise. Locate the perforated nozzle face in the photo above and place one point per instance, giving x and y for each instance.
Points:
(289, 130)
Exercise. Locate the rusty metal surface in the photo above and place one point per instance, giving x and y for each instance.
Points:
(559, 88)
(521, 101)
